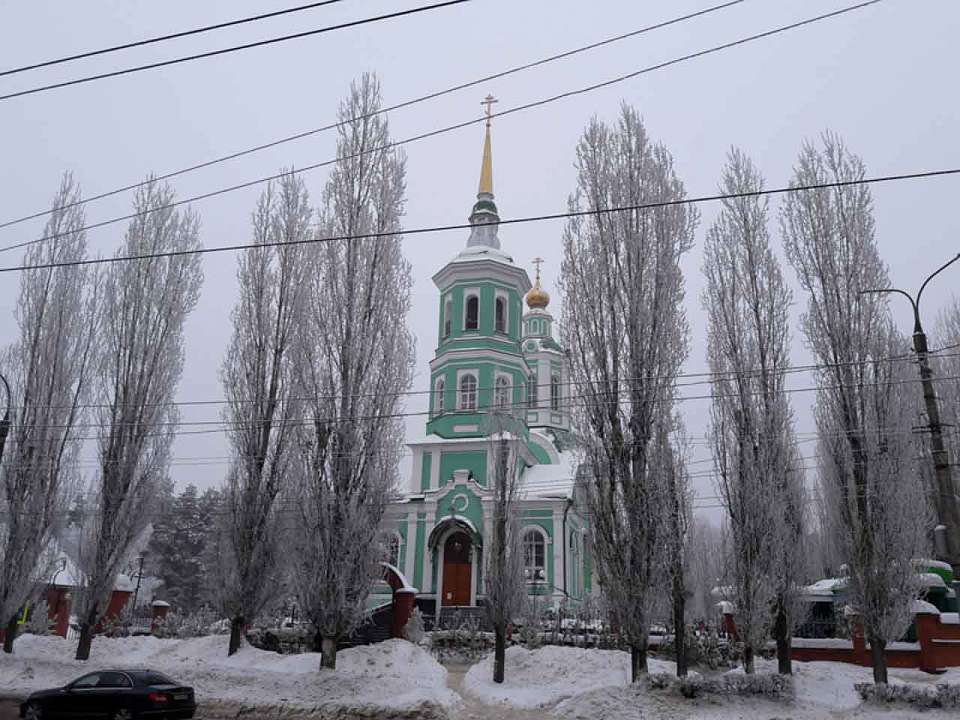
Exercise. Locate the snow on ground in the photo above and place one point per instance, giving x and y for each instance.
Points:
(823, 690)
(390, 676)
(535, 678)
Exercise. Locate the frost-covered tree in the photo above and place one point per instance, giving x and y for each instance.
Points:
(48, 368)
(177, 548)
(257, 378)
(879, 517)
(673, 480)
(705, 554)
(142, 311)
(504, 581)
(354, 358)
(747, 302)
(627, 334)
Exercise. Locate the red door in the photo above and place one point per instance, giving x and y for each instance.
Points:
(456, 570)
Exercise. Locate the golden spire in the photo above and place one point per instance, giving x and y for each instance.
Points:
(486, 168)
(537, 297)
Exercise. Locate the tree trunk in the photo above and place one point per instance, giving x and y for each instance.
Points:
(236, 634)
(679, 625)
(638, 661)
(499, 654)
(879, 657)
(748, 666)
(328, 653)
(783, 635)
(10, 635)
(86, 639)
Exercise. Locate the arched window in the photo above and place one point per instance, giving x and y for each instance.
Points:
(500, 315)
(438, 397)
(468, 393)
(448, 318)
(555, 392)
(532, 391)
(534, 556)
(501, 397)
(472, 320)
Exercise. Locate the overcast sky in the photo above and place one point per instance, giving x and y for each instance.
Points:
(884, 77)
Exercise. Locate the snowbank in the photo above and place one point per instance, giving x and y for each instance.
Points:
(535, 678)
(823, 690)
(390, 676)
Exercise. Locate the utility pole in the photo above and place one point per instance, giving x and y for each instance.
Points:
(948, 512)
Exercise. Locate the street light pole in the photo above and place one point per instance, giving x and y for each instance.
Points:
(948, 512)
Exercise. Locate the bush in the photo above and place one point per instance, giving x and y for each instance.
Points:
(413, 630)
(943, 696)
(771, 686)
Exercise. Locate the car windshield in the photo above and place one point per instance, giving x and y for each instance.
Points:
(150, 678)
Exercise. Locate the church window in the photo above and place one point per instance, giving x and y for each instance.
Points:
(502, 393)
(448, 318)
(534, 556)
(501, 315)
(438, 397)
(468, 393)
(555, 392)
(472, 320)
(532, 391)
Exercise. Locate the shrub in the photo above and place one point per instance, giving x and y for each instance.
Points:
(943, 696)
(413, 630)
(772, 686)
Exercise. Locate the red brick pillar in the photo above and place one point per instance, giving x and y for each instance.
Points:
(927, 624)
(159, 610)
(729, 626)
(860, 654)
(58, 610)
(403, 602)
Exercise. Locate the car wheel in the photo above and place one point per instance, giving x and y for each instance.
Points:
(123, 714)
(33, 712)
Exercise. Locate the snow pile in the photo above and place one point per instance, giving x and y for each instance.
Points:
(821, 690)
(535, 678)
(369, 680)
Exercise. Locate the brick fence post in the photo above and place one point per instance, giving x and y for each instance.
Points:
(927, 624)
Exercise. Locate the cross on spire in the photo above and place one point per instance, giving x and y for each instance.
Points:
(489, 100)
(537, 262)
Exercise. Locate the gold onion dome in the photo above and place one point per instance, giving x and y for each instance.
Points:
(537, 297)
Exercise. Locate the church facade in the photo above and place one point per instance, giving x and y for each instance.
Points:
(495, 350)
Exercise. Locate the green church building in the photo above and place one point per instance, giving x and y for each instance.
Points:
(495, 349)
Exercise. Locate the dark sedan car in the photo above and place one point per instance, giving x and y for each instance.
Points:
(116, 695)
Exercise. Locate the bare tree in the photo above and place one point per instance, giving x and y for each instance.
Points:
(705, 553)
(354, 358)
(628, 335)
(257, 378)
(504, 580)
(48, 372)
(861, 411)
(143, 309)
(747, 303)
(673, 480)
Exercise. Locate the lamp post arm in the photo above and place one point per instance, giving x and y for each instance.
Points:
(913, 304)
(933, 275)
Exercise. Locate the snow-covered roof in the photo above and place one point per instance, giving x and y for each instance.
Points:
(929, 580)
(551, 480)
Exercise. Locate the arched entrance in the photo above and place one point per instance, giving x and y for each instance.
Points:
(457, 569)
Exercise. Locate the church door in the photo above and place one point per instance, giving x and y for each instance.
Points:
(456, 570)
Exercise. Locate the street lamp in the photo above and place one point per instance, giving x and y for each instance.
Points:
(946, 499)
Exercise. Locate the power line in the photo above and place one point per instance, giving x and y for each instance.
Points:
(923, 174)
(231, 49)
(398, 106)
(707, 378)
(227, 425)
(162, 38)
(458, 126)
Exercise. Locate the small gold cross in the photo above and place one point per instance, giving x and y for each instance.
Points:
(489, 100)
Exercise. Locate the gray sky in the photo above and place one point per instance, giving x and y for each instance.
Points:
(883, 77)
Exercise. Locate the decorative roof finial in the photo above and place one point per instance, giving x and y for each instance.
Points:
(537, 297)
(486, 168)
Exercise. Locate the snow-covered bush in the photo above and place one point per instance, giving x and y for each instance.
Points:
(413, 630)
(944, 696)
(773, 686)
